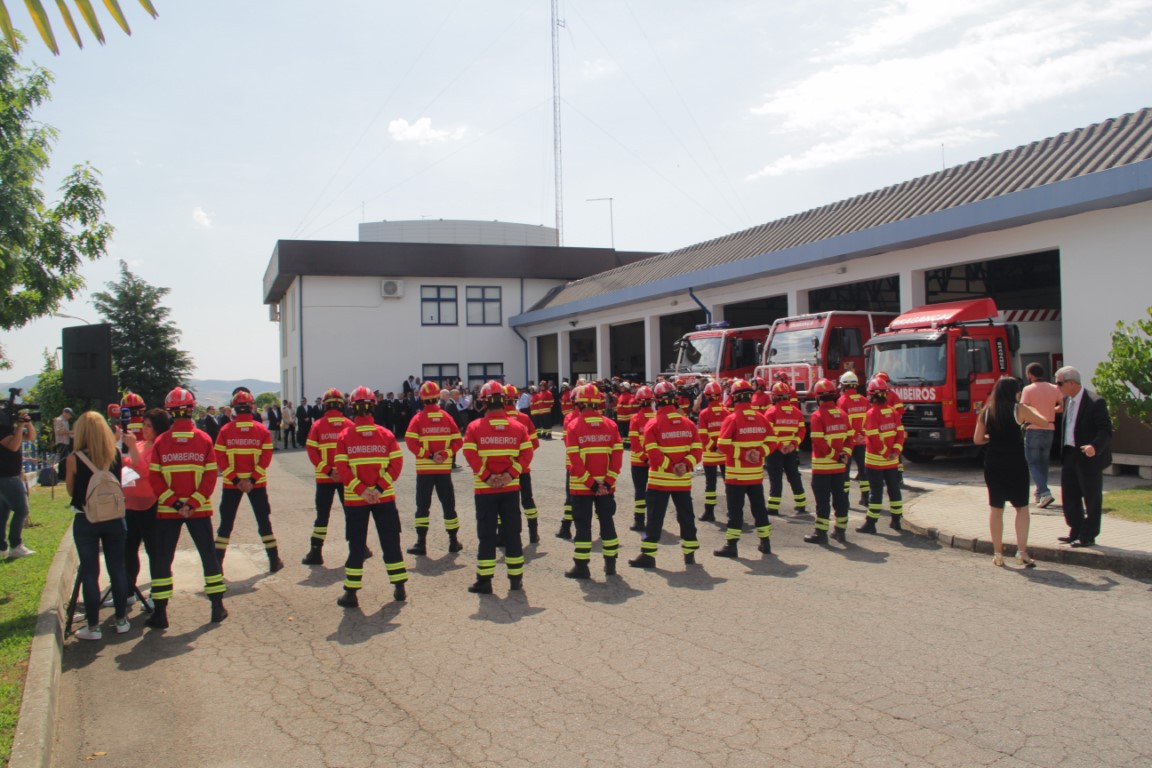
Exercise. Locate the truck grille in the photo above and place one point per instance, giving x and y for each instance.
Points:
(923, 415)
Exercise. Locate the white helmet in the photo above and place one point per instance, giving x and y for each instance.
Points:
(849, 379)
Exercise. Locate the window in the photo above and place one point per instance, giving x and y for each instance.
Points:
(444, 374)
(480, 374)
(438, 305)
(483, 304)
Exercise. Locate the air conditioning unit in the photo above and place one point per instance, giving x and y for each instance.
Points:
(391, 289)
(274, 312)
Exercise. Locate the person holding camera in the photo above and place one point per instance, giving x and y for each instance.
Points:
(15, 428)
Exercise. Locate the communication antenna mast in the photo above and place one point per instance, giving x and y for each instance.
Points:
(558, 173)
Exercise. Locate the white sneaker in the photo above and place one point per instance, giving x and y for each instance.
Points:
(109, 602)
(1045, 501)
(122, 626)
(20, 551)
(90, 633)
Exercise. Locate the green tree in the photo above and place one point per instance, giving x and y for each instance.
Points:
(44, 26)
(265, 399)
(1124, 380)
(144, 340)
(42, 247)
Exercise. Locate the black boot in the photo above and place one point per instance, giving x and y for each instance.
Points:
(896, 523)
(368, 554)
(159, 617)
(399, 592)
(533, 530)
(864, 500)
(315, 555)
(348, 599)
(690, 558)
(839, 534)
(765, 546)
(565, 531)
(801, 510)
(274, 561)
(817, 537)
(610, 566)
(421, 545)
(483, 586)
(515, 583)
(454, 544)
(642, 561)
(730, 549)
(219, 612)
(579, 570)
(638, 523)
(868, 527)
(709, 515)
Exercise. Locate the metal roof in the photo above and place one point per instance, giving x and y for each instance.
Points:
(1111, 144)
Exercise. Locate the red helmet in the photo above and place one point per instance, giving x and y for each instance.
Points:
(741, 386)
(644, 395)
(590, 395)
(242, 398)
(882, 375)
(761, 382)
(664, 391)
(114, 410)
(877, 385)
(713, 389)
(359, 395)
(492, 393)
(781, 390)
(180, 399)
(132, 400)
(333, 398)
(429, 390)
(511, 392)
(823, 387)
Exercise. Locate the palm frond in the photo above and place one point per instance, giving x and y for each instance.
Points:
(40, 18)
(44, 24)
(148, 7)
(6, 25)
(62, 5)
(90, 19)
(114, 9)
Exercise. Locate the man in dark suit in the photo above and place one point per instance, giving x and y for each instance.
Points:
(1086, 441)
(303, 420)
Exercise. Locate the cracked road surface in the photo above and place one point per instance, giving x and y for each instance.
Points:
(890, 652)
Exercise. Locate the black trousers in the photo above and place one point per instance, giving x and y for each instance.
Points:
(654, 525)
(605, 510)
(230, 503)
(527, 499)
(290, 434)
(881, 479)
(735, 495)
(831, 493)
(167, 537)
(141, 529)
(780, 465)
(387, 519)
(711, 473)
(640, 489)
(445, 492)
(1082, 489)
(501, 509)
(324, 494)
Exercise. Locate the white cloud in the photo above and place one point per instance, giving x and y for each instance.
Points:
(422, 131)
(202, 217)
(922, 75)
(598, 68)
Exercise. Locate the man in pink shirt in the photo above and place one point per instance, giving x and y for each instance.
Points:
(1045, 397)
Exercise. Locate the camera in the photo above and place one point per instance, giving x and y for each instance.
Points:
(12, 412)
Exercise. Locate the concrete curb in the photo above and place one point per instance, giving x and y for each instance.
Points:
(35, 730)
(1124, 564)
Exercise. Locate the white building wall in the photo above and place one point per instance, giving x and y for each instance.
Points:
(458, 232)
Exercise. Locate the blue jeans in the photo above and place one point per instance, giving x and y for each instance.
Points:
(89, 538)
(14, 503)
(1038, 452)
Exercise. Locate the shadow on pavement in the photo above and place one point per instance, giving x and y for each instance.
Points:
(320, 576)
(159, 644)
(1065, 581)
(613, 591)
(773, 566)
(858, 554)
(437, 566)
(504, 610)
(695, 577)
(358, 627)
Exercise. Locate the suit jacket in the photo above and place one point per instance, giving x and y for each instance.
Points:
(1093, 427)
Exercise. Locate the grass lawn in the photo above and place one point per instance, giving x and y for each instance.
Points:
(21, 582)
(1130, 504)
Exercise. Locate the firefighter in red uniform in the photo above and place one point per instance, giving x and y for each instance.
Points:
(183, 475)
(672, 443)
(572, 414)
(832, 439)
(884, 433)
(625, 408)
(243, 453)
(566, 406)
(855, 407)
(761, 399)
(595, 454)
(321, 445)
(788, 427)
(497, 450)
(638, 457)
(135, 405)
(434, 439)
(527, 499)
(541, 409)
(896, 403)
(712, 415)
(368, 460)
(745, 439)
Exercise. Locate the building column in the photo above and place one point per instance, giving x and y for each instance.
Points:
(913, 292)
(797, 302)
(651, 347)
(564, 356)
(603, 351)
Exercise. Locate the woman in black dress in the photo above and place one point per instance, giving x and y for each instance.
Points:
(999, 428)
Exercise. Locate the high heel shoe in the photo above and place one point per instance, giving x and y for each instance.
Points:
(998, 561)
(1025, 561)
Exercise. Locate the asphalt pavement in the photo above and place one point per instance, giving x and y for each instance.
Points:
(896, 649)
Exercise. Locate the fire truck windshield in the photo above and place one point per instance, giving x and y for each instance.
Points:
(699, 355)
(911, 361)
(800, 346)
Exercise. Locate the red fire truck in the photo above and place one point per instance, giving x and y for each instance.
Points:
(717, 351)
(807, 348)
(943, 360)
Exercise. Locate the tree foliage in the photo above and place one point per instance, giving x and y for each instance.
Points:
(1124, 380)
(265, 399)
(44, 24)
(144, 340)
(42, 247)
(49, 395)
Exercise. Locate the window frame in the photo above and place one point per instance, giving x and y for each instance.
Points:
(488, 374)
(439, 301)
(440, 375)
(485, 304)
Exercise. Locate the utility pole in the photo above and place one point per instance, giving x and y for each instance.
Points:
(558, 173)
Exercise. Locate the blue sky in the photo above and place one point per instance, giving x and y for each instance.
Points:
(221, 127)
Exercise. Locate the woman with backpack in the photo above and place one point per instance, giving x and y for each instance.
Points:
(93, 459)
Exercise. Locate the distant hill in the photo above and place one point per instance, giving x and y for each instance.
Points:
(208, 391)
